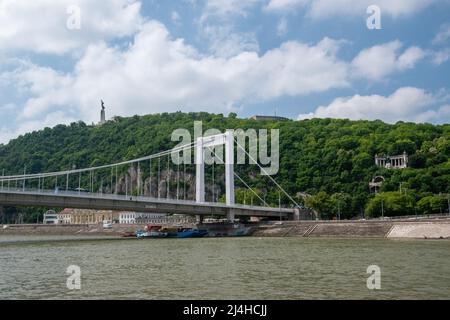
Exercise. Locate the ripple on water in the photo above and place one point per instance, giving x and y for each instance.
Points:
(221, 268)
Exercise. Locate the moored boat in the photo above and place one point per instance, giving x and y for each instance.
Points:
(151, 231)
(128, 234)
(185, 232)
(156, 231)
(226, 229)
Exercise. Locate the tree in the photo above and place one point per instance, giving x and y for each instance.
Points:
(432, 205)
(390, 204)
(321, 157)
(322, 203)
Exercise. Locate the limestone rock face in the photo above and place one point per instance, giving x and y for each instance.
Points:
(164, 186)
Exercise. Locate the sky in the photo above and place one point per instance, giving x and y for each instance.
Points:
(294, 58)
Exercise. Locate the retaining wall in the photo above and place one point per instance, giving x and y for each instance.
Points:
(435, 229)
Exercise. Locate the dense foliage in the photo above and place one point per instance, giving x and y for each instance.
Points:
(333, 160)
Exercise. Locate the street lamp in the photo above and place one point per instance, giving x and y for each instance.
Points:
(339, 209)
(448, 200)
(279, 203)
(340, 194)
(24, 172)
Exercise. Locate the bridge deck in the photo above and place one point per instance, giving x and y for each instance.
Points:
(65, 199)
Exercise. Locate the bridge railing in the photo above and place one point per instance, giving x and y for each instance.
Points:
(99, 195)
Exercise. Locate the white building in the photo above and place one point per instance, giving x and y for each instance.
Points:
(392, 162)
(146, 218)
(139, 217)
(64, 217)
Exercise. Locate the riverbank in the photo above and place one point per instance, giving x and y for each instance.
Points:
(65, 229)
(412, 229)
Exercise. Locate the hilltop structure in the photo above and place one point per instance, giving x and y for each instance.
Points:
(376, 184)
(268, 118)
(102, 113)
(392, 162)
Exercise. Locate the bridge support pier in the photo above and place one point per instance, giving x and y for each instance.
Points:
(199, 219)
(230, 215)
(296, 215)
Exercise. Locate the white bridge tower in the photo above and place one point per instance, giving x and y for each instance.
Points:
(226, 139)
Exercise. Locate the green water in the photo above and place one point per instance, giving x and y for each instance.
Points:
(219, 268)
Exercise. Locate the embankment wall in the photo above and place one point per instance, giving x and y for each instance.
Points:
(434, 229)
(420, 229)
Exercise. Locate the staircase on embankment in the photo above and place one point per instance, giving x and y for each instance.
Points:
(347, 229)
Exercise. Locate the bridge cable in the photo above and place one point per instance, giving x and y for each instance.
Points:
(58, 173)
(264, 170)
(248, 187)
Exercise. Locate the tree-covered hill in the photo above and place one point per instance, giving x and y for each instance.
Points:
(331, 159)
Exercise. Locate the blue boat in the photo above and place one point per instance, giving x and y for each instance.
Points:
(185, 233)
(155, 231)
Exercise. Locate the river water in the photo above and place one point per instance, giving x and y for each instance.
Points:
(34, 267)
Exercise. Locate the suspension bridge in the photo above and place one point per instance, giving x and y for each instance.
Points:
(121, 187)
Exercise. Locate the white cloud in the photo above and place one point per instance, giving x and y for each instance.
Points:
(217, 25)
(327, 8)
(50, 120)
(410, 57)
(41, 25)
(397, 8)
(405, 104)
(443, 35)
(441, 115)
(225, 8)
(45, 86)
(160, 74)
(379, 61)
(9, 107)
(284, 5)
(441, 56)
(225, 42)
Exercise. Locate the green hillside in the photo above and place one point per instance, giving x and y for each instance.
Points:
(333, 160)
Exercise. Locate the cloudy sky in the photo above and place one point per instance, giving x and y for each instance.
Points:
(298, 58)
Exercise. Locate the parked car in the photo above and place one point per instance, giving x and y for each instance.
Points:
(107, 224)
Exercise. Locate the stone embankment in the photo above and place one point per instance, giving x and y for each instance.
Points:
(419, 229)
(81, 229)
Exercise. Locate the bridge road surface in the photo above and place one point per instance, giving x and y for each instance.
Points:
(97, 201)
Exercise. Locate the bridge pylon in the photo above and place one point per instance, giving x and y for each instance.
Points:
(226, 139)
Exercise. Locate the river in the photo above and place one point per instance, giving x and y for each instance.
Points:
(34, 267)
